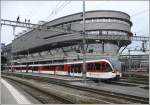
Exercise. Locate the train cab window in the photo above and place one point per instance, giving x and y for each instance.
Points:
(108, 68)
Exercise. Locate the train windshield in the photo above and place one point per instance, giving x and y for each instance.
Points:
(108, 68)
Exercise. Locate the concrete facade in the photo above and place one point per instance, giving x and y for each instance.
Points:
(100, 22)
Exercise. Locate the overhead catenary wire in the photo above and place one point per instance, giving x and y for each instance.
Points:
(140, 12)
(52, 12)
(57, 9)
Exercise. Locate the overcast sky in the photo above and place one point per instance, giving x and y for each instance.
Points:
(42, 10)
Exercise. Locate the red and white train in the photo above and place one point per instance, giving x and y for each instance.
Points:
(95, 69)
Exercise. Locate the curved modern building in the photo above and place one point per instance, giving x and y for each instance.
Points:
(100, 25)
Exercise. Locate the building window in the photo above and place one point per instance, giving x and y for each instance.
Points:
(105, 20)
(99, 32)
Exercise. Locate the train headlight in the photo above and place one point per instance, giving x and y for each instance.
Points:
(113, 71)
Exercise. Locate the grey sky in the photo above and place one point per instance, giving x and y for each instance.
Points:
(42, 10)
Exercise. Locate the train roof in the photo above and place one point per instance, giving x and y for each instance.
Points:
(77, 62)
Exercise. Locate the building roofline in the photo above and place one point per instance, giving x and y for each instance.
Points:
(87, 12)
(76, 14)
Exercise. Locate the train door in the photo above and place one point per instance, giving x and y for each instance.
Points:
(79, 69)
(27, 68)
(69, 69)
(39, 69)
(75, 70)
(66, 69)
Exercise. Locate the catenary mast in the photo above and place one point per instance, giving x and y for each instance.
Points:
(84, 43)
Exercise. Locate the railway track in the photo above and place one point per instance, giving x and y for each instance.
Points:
(134, 80)
(131, 98)
(38, 95)
(110, 95)
(42, 96)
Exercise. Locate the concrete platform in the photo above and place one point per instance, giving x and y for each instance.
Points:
(10, 95)
(6, 96)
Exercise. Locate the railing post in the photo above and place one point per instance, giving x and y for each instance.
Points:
(14, 30)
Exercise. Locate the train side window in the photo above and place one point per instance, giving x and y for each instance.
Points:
(71, 68)
(46, 67)
(103, 66)
(94, 66)
(79, 68)
(35, 68)
(97, 67)
(75, 68)
(53, 67)
(60, 67)
(89, 67)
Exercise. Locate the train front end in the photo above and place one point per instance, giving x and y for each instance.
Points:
(116, 69)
